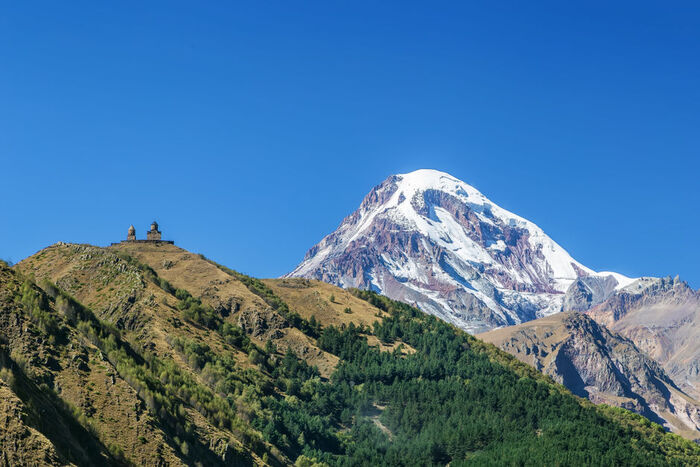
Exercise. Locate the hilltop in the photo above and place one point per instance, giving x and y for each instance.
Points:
(212, 366)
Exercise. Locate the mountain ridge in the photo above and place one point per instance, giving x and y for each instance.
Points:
(215, 367)
(430, 239)
(602, 366)
(662, 316)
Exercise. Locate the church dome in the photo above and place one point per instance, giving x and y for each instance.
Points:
(154, 226)
(132, 230)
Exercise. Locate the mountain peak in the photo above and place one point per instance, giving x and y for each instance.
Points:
(428, 238)
(431, 179)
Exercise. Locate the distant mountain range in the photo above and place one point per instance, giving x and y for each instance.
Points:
(429, 239)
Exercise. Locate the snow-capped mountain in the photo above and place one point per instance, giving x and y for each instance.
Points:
(432, 240)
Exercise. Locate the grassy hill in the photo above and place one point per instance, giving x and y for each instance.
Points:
(149, 354)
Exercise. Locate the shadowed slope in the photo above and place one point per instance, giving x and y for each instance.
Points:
(603, 366)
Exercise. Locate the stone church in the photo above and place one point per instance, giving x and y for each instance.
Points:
(152, 236)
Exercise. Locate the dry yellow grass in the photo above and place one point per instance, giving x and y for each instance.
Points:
(21, 444)
(85, 379)
(224, 292)
(191, 272)
(220, 290)
(548, 324)
(326, 302)
(117, 293)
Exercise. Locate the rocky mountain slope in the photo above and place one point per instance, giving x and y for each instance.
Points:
(429, 239)
(601, 365)
(149, 354)
(20, 443)
(64, 401)
(662, 317)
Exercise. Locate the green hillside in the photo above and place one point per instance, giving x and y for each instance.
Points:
(212, 367)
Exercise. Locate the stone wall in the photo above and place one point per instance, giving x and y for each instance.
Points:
(153, 235)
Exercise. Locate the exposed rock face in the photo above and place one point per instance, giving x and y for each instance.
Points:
(589, 291)
(603, 366)
(662, 317)
(431, 240)
(262, 324)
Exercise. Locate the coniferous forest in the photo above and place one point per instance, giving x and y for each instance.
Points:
(455, 400)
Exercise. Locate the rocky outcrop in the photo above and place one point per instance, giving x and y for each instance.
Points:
(588, 291)
(662, 317)
(598, 364)
(263, 325)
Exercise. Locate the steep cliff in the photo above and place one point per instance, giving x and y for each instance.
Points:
(662, 317)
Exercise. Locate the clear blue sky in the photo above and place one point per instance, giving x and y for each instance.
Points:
(249, 130)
